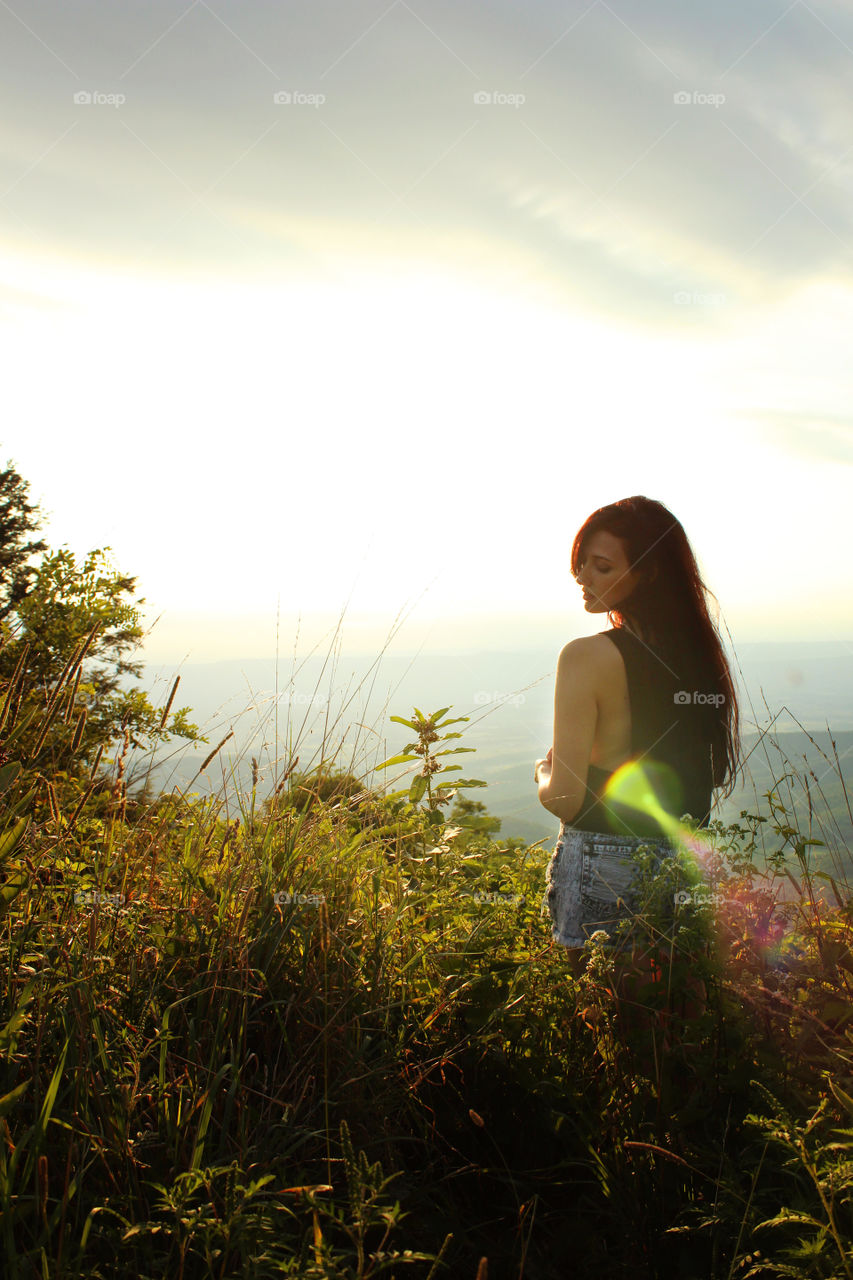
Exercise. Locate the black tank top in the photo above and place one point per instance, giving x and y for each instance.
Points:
(670, 737)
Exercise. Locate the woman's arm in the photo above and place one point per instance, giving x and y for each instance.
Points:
(562, 775)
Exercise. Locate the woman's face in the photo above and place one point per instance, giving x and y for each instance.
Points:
(603, 573)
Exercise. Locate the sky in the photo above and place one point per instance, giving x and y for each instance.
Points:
(320, 311)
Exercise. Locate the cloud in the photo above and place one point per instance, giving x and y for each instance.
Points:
(809, 435)
(612, 192)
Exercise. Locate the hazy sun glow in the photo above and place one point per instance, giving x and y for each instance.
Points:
(371, 313)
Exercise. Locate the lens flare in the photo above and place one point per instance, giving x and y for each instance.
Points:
(636, 787)
(642, 795)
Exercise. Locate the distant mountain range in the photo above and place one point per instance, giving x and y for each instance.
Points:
(788, 692)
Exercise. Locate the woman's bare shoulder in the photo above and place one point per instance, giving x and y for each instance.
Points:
(597, 649)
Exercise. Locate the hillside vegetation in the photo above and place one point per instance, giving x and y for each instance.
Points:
(327, 1034)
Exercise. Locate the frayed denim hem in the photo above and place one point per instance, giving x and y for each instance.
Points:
(590, 884)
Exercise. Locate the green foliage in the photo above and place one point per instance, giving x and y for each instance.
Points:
(63, 659)
(329, 1035)
(18, 518)
(64, 602)
(472, 816)
(813, 1232)
(422, 784)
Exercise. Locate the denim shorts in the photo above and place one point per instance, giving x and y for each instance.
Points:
(591, 882)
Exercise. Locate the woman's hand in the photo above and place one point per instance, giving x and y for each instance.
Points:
(543, 766)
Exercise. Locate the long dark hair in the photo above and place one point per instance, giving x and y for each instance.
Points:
(669, 610)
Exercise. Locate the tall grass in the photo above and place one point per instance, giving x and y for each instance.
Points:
(327, 1034)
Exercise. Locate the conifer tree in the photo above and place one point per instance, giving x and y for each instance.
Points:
(18, 519)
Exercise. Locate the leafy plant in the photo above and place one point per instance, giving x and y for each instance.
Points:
(422, 784)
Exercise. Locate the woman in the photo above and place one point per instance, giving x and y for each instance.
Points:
(654, 694)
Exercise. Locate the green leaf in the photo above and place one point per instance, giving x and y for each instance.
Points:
(21, 804)
(386, 764)
(787, 1216)
(7, 1103)
(410, 724)
(843, 1098)
(9, 1034)
(22, 724)
(207, 1109)
(417, 788)
(10, 889)
(8, 774)
(47, 1107)
(10, 838)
